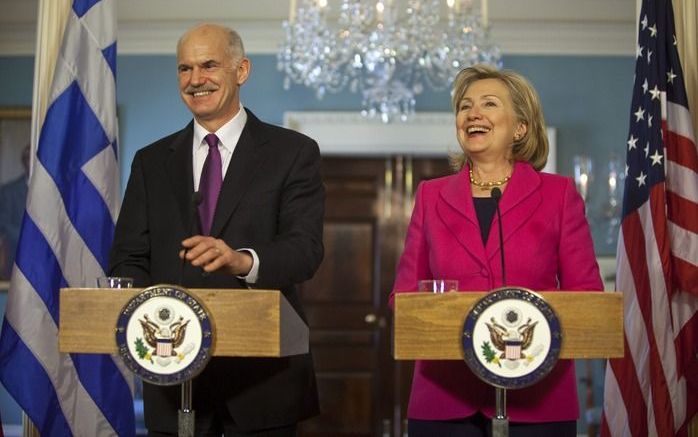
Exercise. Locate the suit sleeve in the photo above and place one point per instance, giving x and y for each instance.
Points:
(295, 253)
(130, 253)
(414, 261)
(577, 269)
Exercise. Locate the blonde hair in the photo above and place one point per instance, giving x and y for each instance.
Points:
(533, 146)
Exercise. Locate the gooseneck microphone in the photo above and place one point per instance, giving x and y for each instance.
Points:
(196, 198)
(500, 421)
(186, 416)
(496, 194)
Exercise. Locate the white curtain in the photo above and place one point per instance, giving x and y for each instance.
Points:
(50, 24)
(686, 22)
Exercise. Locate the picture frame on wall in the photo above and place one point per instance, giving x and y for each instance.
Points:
(15, 134)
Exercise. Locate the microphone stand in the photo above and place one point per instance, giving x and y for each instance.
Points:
(186, 415)
(500, 421)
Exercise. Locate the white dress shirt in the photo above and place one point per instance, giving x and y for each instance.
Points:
(228, 136)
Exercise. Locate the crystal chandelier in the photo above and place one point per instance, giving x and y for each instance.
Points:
(384, 49)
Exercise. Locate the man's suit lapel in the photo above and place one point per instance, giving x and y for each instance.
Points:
(178, 167)
(244, 163)
(519, 202)
(455, 207)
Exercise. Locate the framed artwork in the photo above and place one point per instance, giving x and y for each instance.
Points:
(15, 128)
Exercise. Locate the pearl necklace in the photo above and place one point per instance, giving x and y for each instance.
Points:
(487, 186)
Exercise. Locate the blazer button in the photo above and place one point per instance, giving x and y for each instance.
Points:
(484, 272)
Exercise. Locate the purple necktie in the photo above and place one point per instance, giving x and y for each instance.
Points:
(210, 184)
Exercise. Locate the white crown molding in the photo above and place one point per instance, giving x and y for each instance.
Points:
(549, 37)
(425, 134)
(607, 38)
(17, 39)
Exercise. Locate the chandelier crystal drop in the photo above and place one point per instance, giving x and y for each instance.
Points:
(384, 49)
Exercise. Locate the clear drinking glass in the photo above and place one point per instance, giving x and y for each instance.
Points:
(583, 175)
(438, 285)
(114, 282)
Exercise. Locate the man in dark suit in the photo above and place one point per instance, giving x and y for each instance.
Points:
(264, 230)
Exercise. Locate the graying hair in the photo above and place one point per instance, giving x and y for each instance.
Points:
(234, 48)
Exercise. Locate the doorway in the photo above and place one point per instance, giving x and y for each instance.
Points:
(363, 391)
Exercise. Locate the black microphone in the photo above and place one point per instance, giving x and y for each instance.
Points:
(196, 198)
(496, 194)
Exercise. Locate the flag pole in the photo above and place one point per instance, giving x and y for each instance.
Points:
(28, 428)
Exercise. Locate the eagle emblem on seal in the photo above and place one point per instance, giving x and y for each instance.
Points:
(510, 339)
(163, 335)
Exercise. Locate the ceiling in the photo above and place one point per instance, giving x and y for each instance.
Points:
(554, 27)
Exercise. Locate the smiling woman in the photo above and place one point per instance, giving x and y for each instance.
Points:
(501, 131)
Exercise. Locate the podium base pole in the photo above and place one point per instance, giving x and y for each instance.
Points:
(500, 422)
(500, 427)
(185, 416)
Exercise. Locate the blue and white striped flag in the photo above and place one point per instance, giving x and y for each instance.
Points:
(66, 235)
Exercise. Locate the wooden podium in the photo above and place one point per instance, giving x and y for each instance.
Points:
(246, 323)
(428, 326)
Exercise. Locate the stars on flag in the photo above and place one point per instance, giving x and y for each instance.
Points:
(645, 148)
(653, 30)
(632, 143)
(639, 114)
(641, 179)
(670, 76)
(656, 158)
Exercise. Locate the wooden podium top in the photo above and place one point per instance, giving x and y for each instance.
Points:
(246, 323)
(428, 326)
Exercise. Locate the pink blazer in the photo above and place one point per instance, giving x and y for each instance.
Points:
(548, 246)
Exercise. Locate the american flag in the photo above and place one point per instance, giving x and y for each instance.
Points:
(653, 389)
(72, 204)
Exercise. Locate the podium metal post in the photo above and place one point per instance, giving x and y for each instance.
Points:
(186, 415)
(500, 421)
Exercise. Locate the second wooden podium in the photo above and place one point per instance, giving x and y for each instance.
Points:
(428, 326)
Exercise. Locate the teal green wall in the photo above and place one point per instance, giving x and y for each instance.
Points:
(585, 97)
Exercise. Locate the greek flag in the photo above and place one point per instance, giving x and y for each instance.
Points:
(67, 229)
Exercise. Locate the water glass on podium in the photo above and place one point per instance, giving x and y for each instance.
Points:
(438, 285)
(114, 282)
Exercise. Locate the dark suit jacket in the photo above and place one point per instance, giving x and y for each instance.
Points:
(272, 201)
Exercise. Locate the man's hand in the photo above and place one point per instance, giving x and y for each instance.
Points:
(213, 254)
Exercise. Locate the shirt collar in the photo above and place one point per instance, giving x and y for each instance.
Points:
(228, 134)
